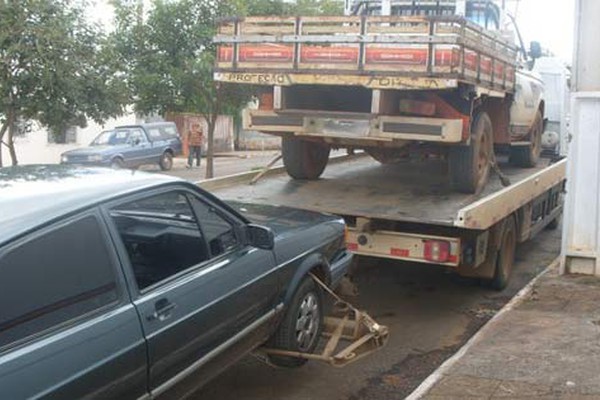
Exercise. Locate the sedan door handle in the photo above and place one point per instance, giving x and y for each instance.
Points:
(162, 311)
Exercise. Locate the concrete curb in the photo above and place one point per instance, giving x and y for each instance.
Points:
(437, 375)
(246, 177)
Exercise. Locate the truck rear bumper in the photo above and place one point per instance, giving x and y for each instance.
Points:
(405, 246)
(359, 127)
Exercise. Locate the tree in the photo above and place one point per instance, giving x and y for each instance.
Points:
(299, 7)
(169, 60)
(54, 68)
(318, 7)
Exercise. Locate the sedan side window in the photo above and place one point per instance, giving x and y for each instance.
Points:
(62, 274)
(219, 232)
(161, 236)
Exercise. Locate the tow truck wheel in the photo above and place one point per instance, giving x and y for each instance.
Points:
(528, 156)
(301, 326)
(506, 256)
(304, 159)
(470, 165)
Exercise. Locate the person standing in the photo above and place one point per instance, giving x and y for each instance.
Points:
(195, 139)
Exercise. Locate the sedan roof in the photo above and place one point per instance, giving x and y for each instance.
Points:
(34, 195)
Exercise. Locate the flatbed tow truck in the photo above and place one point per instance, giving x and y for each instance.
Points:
(411, 213)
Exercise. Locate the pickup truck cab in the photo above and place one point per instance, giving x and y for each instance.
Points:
(119, 285)
(130, 146)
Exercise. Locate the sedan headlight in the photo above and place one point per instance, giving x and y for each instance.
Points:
(64, 159)
(95, 157)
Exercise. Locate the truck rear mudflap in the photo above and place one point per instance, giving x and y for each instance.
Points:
(358, 127)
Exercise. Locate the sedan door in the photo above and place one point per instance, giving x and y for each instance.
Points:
(67, 327)
(204, 297)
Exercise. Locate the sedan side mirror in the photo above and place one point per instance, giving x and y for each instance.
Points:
(260, 237)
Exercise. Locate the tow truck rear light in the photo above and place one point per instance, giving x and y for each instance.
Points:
(436, 251)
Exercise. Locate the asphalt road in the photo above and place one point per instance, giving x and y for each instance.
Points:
(431, 313)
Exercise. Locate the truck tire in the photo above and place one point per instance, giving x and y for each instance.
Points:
(528, 156)
(166, 161)
(304, 159)
(506, 255)
(470, 165)
(301, 326)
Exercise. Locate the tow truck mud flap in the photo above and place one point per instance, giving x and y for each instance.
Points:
(351, 334)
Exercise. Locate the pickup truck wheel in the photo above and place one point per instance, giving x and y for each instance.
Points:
(304, 159)
(528, 156)
(506, 256)
(166, 161)
(301, 326)
(470, 165)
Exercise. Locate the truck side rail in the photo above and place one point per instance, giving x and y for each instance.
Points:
(430, 46)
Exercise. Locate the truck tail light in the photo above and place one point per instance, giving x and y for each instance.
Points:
(349, 246)
(437, 251)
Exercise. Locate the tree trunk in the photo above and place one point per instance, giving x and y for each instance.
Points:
(210, 150)
(2, 132)
(11, 141)
(7, 127)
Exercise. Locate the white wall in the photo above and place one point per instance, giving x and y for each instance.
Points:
(35, 149)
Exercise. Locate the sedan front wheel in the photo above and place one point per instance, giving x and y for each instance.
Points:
(301, 326)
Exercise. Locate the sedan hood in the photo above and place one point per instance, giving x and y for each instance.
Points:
(281, 219)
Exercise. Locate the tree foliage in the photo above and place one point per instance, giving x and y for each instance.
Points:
(55, 68)
(299, 7)
(169, 58)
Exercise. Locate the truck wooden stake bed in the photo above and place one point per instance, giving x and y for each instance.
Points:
(410, 212)
(426, 78)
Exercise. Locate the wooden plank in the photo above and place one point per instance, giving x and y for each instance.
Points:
(321, 67)
(376, 29)
(381, 81)
(308, 29)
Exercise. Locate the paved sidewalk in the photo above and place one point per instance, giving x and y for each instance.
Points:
(224, 164)
(547, 347)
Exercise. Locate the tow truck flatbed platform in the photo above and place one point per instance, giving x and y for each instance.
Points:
(415, 192)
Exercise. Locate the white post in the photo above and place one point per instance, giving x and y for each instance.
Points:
(461, 7)
(581, 228)
(386, 7)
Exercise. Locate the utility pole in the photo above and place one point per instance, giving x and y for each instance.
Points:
(581, 227)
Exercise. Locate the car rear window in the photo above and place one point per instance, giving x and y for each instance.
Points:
(53, 278)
